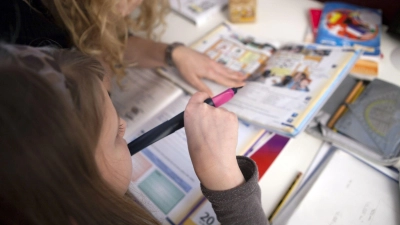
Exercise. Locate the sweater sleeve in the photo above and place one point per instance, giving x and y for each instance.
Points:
(242, 204)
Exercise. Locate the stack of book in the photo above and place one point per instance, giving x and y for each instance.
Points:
(341, 24)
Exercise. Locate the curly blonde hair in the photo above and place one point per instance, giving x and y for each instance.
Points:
(98, 29)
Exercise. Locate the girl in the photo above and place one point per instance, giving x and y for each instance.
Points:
(63, 159)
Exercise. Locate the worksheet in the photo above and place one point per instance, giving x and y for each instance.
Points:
(349, 191)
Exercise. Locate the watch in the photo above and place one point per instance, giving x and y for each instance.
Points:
(168, 53)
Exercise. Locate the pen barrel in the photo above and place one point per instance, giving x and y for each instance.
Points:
(156, 134)
(162, 131)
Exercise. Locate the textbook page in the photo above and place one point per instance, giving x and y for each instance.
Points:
(163, 178)
(285, 86)
(230, 47)
(349, 191)
(294, 82)
(141, 95)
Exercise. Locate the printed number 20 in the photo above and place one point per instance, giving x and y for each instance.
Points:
(208, 219)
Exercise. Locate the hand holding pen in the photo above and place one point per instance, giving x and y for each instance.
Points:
(175, 123)
(212, 138)
(212, 135)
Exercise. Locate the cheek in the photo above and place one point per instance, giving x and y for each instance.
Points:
(122, 147)
(115, 165)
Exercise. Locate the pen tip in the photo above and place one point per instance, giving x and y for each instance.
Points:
(236, 88)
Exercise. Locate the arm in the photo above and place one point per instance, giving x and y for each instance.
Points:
(242, 204)
(192, 65)
(146, 53)
(230, 183)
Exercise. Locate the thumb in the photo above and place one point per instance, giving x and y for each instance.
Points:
(199, 97)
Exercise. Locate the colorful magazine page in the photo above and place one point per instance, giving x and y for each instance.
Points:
(285, 86)
(344, 24)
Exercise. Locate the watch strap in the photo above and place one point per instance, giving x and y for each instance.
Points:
(168, 53)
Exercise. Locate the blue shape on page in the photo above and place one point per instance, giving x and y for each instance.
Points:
(164, 168)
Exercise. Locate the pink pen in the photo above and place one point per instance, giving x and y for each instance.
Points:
(175, 123)
(222, 98)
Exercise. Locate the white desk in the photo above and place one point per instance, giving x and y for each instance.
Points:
(283, 20)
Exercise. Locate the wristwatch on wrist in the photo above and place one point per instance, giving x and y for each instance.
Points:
(168, 53)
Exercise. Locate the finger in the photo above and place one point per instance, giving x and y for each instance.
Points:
(198, 97)
(227, 81)
(236, 75)
(229, 73)
(200, 86)
(195, 107)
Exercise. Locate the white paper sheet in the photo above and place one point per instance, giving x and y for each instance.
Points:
(348, 191)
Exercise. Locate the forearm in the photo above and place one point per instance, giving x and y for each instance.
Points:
(146, 53)
(240, 205)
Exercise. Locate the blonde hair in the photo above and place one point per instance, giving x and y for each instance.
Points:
(98, 29)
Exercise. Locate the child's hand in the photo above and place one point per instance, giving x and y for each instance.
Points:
(212, 138)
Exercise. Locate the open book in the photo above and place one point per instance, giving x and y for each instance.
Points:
(286, 84)
(163, 178)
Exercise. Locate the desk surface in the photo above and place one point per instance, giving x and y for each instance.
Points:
(282, 20)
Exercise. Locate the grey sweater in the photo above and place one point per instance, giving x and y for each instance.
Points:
(242, 204)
